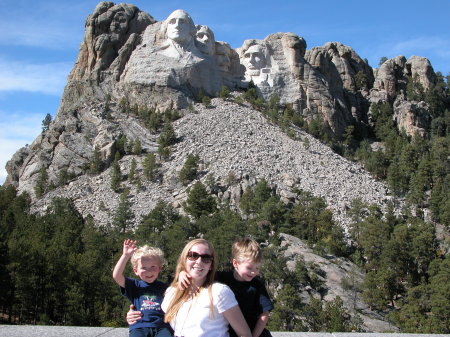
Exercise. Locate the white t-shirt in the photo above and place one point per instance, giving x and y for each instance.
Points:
(194, 318)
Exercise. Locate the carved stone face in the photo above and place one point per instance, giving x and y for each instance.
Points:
(223, 56)
(179, 27)
(254, 59)
(205, 40)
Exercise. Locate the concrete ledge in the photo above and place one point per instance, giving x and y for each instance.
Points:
(76, 331)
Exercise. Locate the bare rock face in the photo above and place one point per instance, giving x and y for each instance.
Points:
(391, 84)
(390, 80)
(421, 67)
(111, 32)
(392, 77)
(341, 65)
(412, 117)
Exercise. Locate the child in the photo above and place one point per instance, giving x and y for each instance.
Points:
(147, 293)
(249, 290)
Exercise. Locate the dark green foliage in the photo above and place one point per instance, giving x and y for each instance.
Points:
(116, 176)
(123, 215)
(361, 81)
(426, 307)
(150, 166)
(199, 202)
(47, 263)
(414, 89)
(382, 60)
(310, 220)
(189, 170)
(163, 227)
(206, 100)
(46, 122)
(42, 185)
(166, 139)
(96, 164)
(132, 175)
(224, 92)
(137, 148)
(63, 177)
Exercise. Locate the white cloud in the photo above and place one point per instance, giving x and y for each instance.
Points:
(48, 78)
(436, 45)
(16, 130)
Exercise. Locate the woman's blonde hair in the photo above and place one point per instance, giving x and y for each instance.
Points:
(181, 296)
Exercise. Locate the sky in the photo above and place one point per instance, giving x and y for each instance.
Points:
(39, 42)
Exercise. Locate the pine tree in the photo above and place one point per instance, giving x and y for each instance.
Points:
(41, 185)
(124, 215)
(116, 176)
(132, 173)
(224, 92)
(96, 164)
(199, 202)
(189, 170)
(46, 122)
(137, 148)
(150, 166)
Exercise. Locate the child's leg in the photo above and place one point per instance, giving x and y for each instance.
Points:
(163, 332)
(138, 332)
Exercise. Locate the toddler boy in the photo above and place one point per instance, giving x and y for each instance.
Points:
(145, 293)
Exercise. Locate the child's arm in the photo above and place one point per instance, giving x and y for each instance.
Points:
(129, 247)
(183, 280)
(261, 324)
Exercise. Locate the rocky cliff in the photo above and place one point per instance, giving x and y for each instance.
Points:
(127, 54)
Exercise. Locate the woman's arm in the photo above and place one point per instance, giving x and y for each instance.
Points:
(236, 320)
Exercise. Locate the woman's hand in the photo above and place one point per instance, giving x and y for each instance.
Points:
(133, 316)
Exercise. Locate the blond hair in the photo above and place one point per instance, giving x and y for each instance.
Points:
(246, 249)
(147, 251)
(181, 296)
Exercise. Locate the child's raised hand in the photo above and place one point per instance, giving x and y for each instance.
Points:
(129, 247)
(183, 280)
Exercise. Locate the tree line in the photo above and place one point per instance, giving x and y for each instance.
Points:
(56, 267)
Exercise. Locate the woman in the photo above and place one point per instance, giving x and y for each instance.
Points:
(205, 308)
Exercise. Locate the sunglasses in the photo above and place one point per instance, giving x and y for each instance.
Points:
(193, 256)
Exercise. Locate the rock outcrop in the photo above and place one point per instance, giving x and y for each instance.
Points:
(391, 86)
(340, 277)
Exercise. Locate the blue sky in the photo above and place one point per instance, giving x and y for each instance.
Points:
(39, 41)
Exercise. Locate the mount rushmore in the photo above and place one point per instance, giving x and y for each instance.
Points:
(126, 53)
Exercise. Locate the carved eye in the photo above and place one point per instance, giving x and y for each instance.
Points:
(172, 21)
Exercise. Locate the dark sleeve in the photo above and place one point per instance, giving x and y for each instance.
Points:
(130, 289)
(264, 299)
